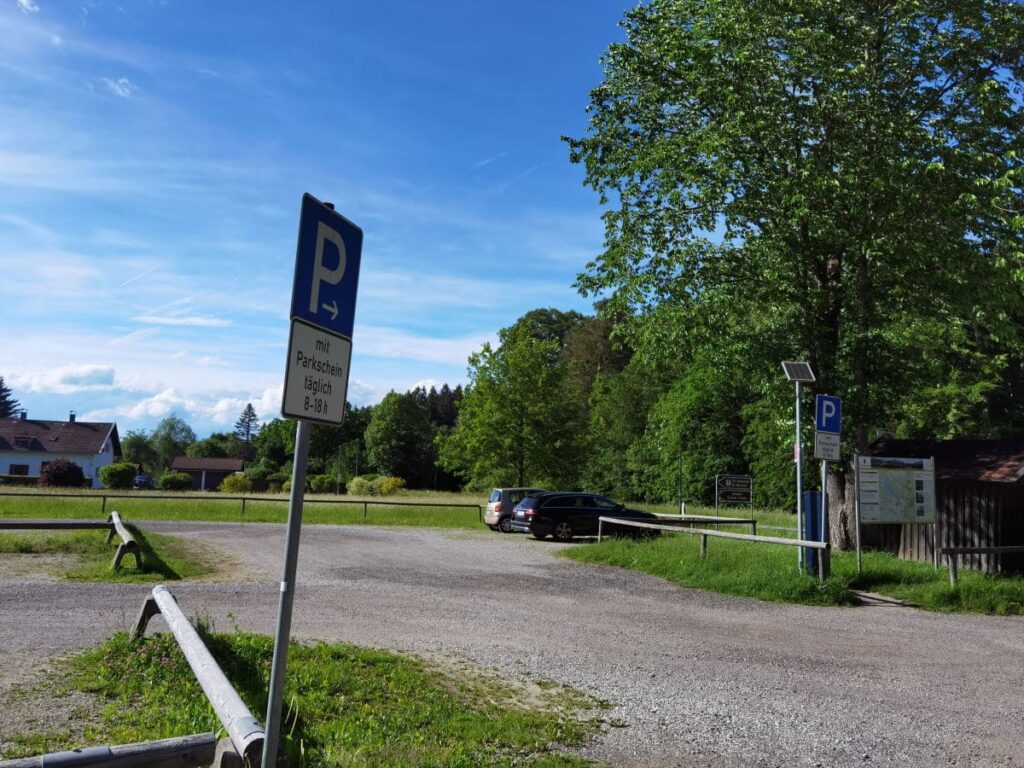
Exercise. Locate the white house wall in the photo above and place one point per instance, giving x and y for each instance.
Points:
(89, 462)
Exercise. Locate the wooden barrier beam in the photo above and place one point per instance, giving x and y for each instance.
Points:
(245, 731)
(128, 543)
(53, 525)
(179, 752)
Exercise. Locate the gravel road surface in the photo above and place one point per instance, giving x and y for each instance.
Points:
(697, 679)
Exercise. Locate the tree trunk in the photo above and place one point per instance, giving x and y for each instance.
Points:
(842, 520)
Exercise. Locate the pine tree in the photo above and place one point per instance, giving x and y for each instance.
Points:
(8, 405)
(247, 423)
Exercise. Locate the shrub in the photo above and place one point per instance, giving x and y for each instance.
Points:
(286, 486)
(236, 483)
(387, 486)
(322, 483)
(118, 476)
(360, 486)
(19, 480)
(61, 473)
(175, 481)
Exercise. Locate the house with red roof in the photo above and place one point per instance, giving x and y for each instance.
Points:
(27, 445)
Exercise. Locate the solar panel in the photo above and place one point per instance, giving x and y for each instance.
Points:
(798, 371)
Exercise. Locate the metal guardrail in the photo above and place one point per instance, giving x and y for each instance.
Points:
(215, 496)
(952, 552)
(704, 533)
(179, 752)
(113, 525)
(243, 729)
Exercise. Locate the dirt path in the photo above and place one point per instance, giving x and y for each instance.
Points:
(697, 679)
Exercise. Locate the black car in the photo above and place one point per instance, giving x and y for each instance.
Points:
(564, 514)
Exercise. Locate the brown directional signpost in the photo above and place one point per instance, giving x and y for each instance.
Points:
(315, 386)
(734, 489)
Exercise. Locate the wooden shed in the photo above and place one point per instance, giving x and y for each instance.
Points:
(207, 474)
(979, 487)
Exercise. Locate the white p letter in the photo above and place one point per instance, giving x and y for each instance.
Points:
(332, 276)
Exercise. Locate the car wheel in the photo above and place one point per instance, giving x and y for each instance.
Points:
(505, 525)
(563, 531)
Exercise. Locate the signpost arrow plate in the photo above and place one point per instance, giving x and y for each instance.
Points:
(323, 312)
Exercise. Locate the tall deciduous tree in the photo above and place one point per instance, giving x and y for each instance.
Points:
(8, 405)
(137, 449)
(835, 172)
(171, 438)
(519, 421)
(399, 439)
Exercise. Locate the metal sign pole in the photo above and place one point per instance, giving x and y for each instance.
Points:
(284, 615)
(856, 504)
(799, 485)
(824, 516)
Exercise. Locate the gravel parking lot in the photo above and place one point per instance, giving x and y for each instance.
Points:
(696, 679)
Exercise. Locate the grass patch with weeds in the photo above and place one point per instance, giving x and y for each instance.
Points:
(89, 557)
(345, 705)
(769, 572)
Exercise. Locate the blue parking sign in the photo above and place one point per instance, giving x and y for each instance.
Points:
(828, 414)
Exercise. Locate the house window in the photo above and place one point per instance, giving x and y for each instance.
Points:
(19, 469)
(23, 442)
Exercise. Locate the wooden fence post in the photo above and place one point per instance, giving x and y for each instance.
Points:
(703, 546)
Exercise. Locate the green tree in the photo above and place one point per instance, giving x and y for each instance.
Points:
(9, 407)
(137, 448)
(833, 171)
(519, 420)
(248, 423)
(399, 439)
(171, 438)
(220, 445)
(275, 442)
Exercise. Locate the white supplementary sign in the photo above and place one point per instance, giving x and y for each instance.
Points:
(896, 490)
(318, 364)
(827, 446)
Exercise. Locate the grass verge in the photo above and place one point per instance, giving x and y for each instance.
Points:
(346, 706)
(769, 572)
(89, 557)
(213, 507)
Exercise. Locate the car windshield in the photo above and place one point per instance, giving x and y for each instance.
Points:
(495, 495)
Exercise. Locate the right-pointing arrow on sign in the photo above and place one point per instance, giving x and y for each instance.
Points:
(332, 308)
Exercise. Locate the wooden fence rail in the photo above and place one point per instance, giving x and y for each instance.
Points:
(952, 552)
(243, 729)
(113, 525)
(704, 533)
(692, 520)
(180, 752)
(128, 543)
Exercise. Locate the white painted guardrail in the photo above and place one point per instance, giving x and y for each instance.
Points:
(704, 533)
(243, 729)
(179, 752)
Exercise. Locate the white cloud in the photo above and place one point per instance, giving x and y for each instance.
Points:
(389, 342)
(67, 380)
(122, 87)
(28, 6)
(196, 321)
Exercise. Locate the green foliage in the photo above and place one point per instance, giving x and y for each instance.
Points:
(322, 483)
(519, 421)
(118, 476)
(399, 439)
(61, 473)
(236, 483)
(275, 442)
(375, 485)
(137, 449)
(248, 423)
(170, 439)
(220, 445)
(9, 407)
(175, 481)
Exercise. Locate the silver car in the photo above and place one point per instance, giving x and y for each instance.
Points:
(500, 505)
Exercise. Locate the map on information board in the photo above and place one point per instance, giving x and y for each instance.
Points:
(895, 490)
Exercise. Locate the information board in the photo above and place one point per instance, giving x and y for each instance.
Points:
(895, 490)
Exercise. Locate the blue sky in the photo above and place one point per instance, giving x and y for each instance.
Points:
(153, 156)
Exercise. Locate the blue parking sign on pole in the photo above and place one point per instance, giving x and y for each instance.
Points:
(828, 414)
